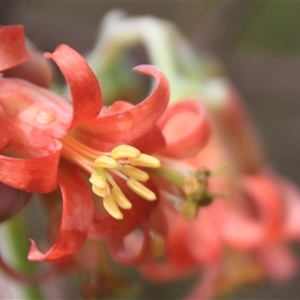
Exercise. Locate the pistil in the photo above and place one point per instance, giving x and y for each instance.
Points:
(192, 183)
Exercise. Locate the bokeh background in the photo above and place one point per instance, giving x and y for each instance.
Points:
(258, 42)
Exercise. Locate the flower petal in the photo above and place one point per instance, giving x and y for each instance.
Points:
(278, 262)
(186, 129)
(205, 245)
(129, 124)
(37, 70)
(76, 218)
(150, 142)
(12, 48)
(35, 106)
(133, 249)
(264, 190)
(5, 128)
(83, 84)
(263, 219)
(30, 167)
(291, 202)
(237, 125)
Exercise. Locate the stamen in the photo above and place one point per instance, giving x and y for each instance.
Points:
(100, 192)
(70, 154)
(111, 207)
(196, 190)
(81, 148)
(98, 181)
(103, 167)
(145, 160)
(124, 151)
(140, 189)
(105, 162)
(135, 173)
(120, 198)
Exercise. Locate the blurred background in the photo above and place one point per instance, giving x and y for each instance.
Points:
(258, 42)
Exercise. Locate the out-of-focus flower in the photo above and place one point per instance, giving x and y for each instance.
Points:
(254, 225)
(248, 231)
(243, 237)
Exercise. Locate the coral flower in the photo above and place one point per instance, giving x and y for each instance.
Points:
(92, 153)
(245, 233)
(48, 141)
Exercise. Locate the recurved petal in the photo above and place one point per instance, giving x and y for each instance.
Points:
(37, 70)
(12, 47)
(5, 128)
(150, 142)
(83, 84)
(133, 249)
(259, 220)
(186, 129)
(35, 106)
(291, 199)
(76, 218)
(30, 166)
(265, 192)
(129, 123)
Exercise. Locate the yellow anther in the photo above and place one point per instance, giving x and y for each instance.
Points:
(145, 160)
(140, 189)
(124, 151)
(106, 162)
(100, 192)
(111, 206)
(120, 198)
(98, 181)
(135, 173)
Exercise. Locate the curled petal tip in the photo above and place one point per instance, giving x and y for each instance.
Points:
(83, 84)
(34, 253)
(12, 50)
(186, 128)
(147, 69)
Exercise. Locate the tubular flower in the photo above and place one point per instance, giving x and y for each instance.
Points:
(242, 238)
(50, 141)
(100, 158)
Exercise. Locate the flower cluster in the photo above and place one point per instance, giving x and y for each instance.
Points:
(174, 185)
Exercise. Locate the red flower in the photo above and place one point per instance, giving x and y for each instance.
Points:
(47, 141)
(53, 142)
